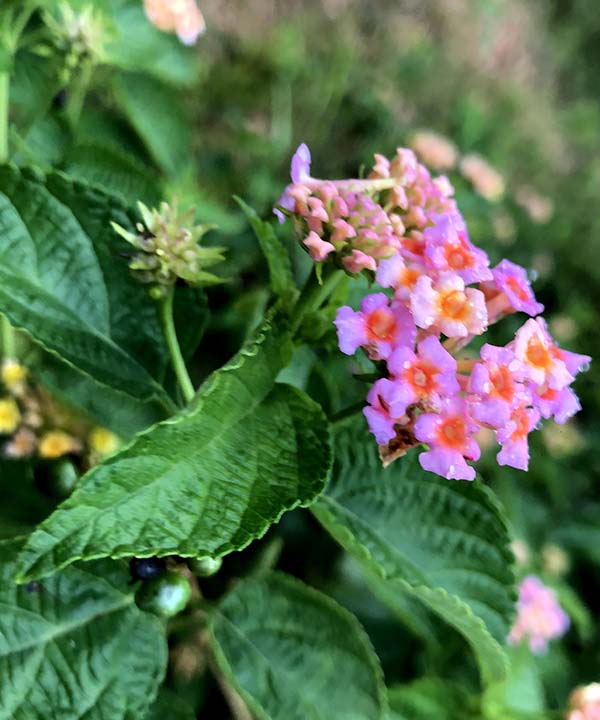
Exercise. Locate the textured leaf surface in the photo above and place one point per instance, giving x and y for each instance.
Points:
(443, 541)
(76, 647)
(169, 706)
(278, 260)
(204, 483)
(294, 654)
(63, 281)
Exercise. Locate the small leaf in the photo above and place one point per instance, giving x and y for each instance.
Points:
(278, 260)
(201, 484)
(65, 645)
(63, 281)
(294, 654)
(444, 542)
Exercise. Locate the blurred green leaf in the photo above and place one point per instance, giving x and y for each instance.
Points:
(293, 653)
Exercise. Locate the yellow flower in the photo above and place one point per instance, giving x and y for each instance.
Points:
(102, 441)
(13, 374)
(10, 416)
(55, 443)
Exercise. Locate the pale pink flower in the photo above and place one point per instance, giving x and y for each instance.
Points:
(318, 249)
(358, 261)
(513, 436)
(395, 272)
(486, 180)
(448, 306)
(448, 249)
(182, 17)
(510, 291)
(540, 617)
(542, 361)
(449, 435)
(386, 409)
(427, 375)
(434, 150)
(584, 703)
(378, 327)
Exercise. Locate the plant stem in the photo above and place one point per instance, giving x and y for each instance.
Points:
(4, 90)
(346, 413)
(78, 91)
(177, 360)
(314, 295)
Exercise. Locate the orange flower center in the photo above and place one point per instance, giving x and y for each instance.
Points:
(458, 256)
(381, 325)
(452, 433)
(503, 384)
(522, 421)
(517, 289)
(454, 304)
(537, 354)
(410, 277)
(421, 377)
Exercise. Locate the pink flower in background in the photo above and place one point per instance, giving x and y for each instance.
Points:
(182, 17)
(584, 703)
(449, 435)
(448, 306)
(401, 227)
(540, 618)
(378, 327)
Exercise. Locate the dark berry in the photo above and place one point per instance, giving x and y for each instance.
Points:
(147, 568)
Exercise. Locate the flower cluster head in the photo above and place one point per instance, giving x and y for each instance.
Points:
(181, 17)
(584, 703)
(168, 250)
(540, 618)
(80, 34)
(401, 228)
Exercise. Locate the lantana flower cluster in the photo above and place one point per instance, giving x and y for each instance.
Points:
(401, 227)
(181, 17)
(540, 618)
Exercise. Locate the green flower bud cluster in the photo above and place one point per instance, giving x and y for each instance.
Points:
(81, 36)
(168, 247)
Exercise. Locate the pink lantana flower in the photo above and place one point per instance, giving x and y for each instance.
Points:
(540, 617)
(319, 249)
(377, 327)
(513, 437)
(449, 435)
(386, 409)
(427, 375)
(559, 404)
(182, 17)
(448, 306)
(542, 361)
(584, 703)
(511, 291)
(494, 386)
(300, 173)
(448, 249)
(395, 272)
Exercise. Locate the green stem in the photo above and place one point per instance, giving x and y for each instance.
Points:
(4, 90)
(314, 295)
(346, 413)
(78, 91)
(174, 350)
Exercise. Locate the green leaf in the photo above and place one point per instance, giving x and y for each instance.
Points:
(444, 542)
(156, 113)
(429, 698)
(294, 654)
(521, 694)
(201, 484)
(63, 280)
(76, 646)
(278, 260)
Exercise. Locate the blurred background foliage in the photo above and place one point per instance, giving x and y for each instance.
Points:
(514, 82)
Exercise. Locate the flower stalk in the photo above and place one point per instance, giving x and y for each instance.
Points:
(168, 325)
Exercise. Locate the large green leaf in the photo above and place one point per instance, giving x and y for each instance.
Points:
(294, 654)
(204, 483)
(76, 647)
(169, 706)
(445, 542)
(63, 280)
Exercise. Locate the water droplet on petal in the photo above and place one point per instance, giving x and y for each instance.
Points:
(585, 367)
(539, 425)
(532, 274)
